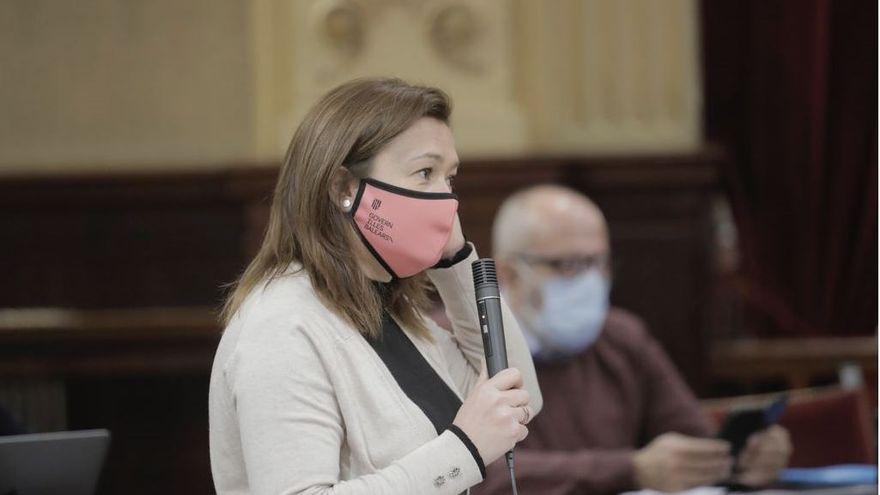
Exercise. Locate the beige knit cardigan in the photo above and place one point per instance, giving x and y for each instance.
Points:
(300, 403)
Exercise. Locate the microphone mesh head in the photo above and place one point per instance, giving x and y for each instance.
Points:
(484, 272)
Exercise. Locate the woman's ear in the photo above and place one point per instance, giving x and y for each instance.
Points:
(343, 187)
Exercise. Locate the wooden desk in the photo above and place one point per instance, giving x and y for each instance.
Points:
(141, 373)
(66, 342)
(796, 360)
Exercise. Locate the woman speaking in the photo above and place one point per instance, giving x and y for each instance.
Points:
(329, 379)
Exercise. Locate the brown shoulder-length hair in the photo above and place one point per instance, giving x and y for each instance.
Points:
(347, 127)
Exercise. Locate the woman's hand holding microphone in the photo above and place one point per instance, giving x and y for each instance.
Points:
(495, 414)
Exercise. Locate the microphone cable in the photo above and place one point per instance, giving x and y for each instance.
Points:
(509, 457)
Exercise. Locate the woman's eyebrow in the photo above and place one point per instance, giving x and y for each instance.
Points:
(437, 158)
(432, 155)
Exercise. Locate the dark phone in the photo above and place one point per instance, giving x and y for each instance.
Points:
(740, 424)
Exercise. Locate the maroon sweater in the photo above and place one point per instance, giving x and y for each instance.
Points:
(599, 407)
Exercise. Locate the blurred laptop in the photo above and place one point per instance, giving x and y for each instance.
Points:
(67, 462)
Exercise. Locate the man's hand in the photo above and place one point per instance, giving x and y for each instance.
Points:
(673, 462)
(765, 454)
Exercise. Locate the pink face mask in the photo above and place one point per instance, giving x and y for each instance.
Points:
(405, 230)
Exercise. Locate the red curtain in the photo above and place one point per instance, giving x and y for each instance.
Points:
(791, 90)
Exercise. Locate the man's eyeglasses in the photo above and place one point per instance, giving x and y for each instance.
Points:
(568, 265)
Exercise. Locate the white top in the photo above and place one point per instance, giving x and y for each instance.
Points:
(300, 403)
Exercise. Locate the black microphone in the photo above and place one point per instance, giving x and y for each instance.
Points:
(491, 327)
(489, 312)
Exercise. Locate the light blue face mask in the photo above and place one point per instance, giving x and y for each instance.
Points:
(572, 315)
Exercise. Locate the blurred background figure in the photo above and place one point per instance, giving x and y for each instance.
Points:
(731, 146)
(617, 415)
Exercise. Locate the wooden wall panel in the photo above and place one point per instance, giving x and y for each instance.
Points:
(103, 241)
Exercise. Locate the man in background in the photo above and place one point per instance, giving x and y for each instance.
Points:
(617, 416)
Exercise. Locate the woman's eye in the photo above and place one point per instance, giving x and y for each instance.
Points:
(425, 173)
(450, 180)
